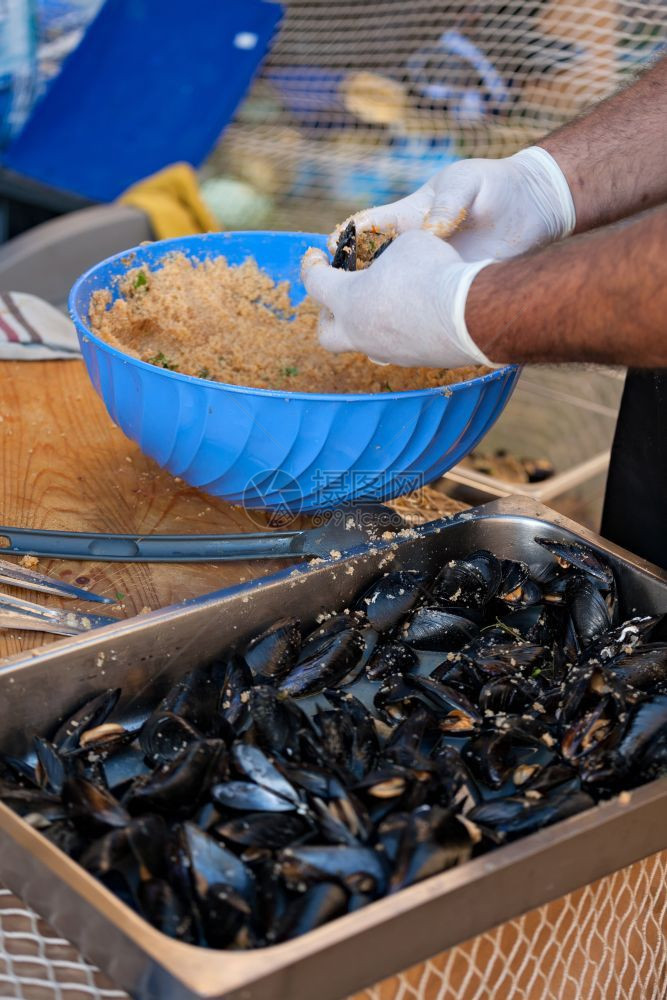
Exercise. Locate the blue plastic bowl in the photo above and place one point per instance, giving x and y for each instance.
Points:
(272, 449)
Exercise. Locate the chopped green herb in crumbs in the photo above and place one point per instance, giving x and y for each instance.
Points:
(119, 595)
(387, 388)
(203, 373)
(163, 362)
(290, 370)
(141, 280)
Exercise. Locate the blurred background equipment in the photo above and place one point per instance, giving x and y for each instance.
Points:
(360, 102)
(138, 93)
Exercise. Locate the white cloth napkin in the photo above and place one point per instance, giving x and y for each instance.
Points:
(34, 330)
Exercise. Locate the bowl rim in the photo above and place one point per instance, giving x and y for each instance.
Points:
(84, 332)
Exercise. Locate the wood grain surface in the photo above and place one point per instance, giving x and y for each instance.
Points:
(65, 465)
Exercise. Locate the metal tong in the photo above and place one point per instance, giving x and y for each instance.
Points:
(17, 613)
(343, 529)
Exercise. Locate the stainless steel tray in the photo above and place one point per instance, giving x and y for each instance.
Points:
(146, 654)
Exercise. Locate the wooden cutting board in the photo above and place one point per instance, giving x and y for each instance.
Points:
(65, 465)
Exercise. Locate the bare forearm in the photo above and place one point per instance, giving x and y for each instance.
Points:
(599, 297)
(614, 156)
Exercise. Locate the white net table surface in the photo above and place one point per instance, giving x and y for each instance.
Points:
(606, 941)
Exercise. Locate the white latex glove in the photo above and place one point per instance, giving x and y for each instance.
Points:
(407, 309)
(484, 208)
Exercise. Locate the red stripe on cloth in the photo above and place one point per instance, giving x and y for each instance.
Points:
(10, 333)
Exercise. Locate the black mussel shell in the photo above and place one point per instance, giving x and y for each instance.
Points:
(195, 697)
(326, 667)
(108, 852)
(390, 598)
(263, 830)
(469, 582)
(648, 725)
(356, 867)
(432, 841)
(365, 745)
(253, 764)
(89, 803)
(211, 863)
(392, 657)
(319, 904)
(272, 654)
(491, 756)
(165, 735)
(580, 556)
(178, 787)
(345, 256)
(245, 795)
(589, 612)
(507, 694)
(166, 910)
(643, 668)
(50, 769)
(281, 727)
(323, 633)
(455, 711)
(396, 700)
(235, 695)
(434, 629)
(516, 815)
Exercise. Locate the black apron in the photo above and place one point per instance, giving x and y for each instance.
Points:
(635, 508)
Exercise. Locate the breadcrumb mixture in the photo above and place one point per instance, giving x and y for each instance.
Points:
(29, 562)
(234, 324)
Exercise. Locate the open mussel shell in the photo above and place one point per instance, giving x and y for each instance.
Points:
(517, 589)
(457, 712)
(92, 713)
(395, 700)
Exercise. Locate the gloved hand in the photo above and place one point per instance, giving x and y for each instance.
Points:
(484, 208)
(407, 309)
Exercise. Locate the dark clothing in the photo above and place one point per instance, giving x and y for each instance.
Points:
(635, 509)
